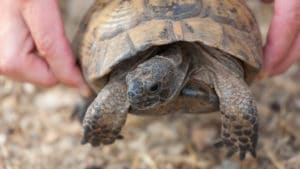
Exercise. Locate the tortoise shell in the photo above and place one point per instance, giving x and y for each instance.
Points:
(116, 30)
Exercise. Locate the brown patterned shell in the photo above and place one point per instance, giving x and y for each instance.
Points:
(115, 30)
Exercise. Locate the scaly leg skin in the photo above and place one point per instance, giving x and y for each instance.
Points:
(239, 114)
(106, 115)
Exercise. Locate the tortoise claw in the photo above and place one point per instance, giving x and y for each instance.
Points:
(242, 155)
(120, 137)
(85, 138)
(84, 141)
(219, 144)
(253, 152)
(230, 153)
(234, 149)
(98, 136)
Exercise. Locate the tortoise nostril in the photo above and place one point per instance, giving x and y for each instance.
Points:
(135, 87)
(131, 95)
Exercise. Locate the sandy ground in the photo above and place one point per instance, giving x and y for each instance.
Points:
(36, 131)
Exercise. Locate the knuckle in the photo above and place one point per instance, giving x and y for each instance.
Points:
(45, 46)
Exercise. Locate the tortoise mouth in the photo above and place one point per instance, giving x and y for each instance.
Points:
(144, 104)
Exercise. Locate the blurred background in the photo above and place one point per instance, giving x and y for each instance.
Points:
(37, 132)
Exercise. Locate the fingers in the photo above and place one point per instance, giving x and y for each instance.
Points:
(16, 45)
(45, 24)
(27, 70)
(293, 56)
(27, 67)
(282, 35)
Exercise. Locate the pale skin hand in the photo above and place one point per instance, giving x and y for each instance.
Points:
(283, 41)
(33, 45)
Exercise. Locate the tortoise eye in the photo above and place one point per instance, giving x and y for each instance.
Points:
(154, 88)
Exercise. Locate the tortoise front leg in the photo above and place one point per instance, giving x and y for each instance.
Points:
(106, 115)
(239, 114)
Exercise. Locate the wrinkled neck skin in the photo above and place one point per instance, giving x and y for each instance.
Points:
(159, 79)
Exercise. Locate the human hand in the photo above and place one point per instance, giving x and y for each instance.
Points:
(34, 47)
(283, 42)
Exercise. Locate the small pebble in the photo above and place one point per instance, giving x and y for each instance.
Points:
(3, 138)
(228, 164)
(28, 88)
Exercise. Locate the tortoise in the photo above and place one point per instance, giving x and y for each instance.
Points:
(154, 57)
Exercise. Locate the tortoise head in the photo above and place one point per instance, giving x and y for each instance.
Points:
(157, 80)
